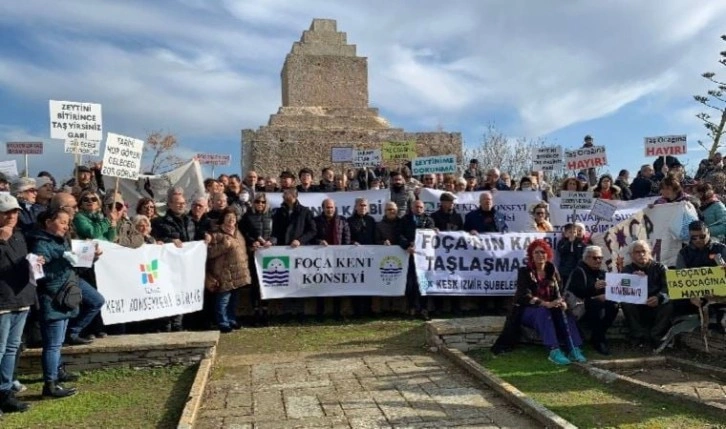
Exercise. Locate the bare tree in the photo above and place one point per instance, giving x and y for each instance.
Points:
(159, 150)
(715, 101)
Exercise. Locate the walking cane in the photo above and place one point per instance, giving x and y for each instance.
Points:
(558, 294)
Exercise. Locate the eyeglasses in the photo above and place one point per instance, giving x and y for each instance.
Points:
(197, 205)
(597, 258)
(539, 213)
(34, 191)
(119, 206)
(698, 237)
(260, 201)
(89, 200)
(69, 208)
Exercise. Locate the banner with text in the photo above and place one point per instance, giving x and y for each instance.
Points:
(344, 201)
(433, 164)
(547, 158)
(24, 148)
(341, 154)
(366, 158)
(696, 282)
(9, 168)
(82, 147)
(214, 159)
(666, 145)
(650, 224)
(398, 151)
(151, 281)
(458, 263)
(74, 120)
(585, 157)
(575, 200)
(628, 288)
(306, 271)
(514, 205)
(559, 217)
(122, 157)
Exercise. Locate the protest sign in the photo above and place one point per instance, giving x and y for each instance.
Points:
(650, 224)
(341, 154)
(514, 205)
(85, 252)
(398, 151)
(188, 177)
(585, 157)
(82, 147)
(433, 164)
(286, 272)
(547, 158)
(214, 159)
(9, 168)
(122, 157)
(459, 263)
(696, 282)
(24, 148)
(366, 158)
(602, 209)
(628, 288)
(575, 200)
(73, 120)
(624, 210)
(344, 201)
(665, 145)
(35, 268)
(151, 281)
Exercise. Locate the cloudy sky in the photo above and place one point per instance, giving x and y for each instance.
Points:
(619, 70)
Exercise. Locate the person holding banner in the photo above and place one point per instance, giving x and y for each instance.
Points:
(416, 219)
(399, 194)
(486, 218)
(539, 305)
(362, 232)
(648, 322)
(256, 225)
(332, 230)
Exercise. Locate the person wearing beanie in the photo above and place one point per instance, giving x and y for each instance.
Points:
(26, 192)
(87, 179)
(584, 181)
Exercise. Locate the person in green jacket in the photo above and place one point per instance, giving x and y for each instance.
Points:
(90, 223)
(713, 210)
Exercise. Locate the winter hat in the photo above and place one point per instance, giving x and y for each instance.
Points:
(22, 184)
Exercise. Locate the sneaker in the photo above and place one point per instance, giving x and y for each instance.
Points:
(18, 387)
(558, 358)
(577, 356)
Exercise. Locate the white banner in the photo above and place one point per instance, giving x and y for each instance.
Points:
(665, 145)
(367, 158)
(74, 120)
(344, 201)
(514, 205)
(585, 157)
(188, 176)
(575, 200)
(433, 164)
(458, 263)
(602, 209)
(547, 158)
(652, 225)
(151, 281)
(341, 154)
(9, 168)
(286, 272)
(628, 288)
(214, 159)
(122, 157)
(624, 210)
(82, 147)
(24, 148)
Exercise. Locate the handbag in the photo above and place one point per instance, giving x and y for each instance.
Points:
(575, 304)
(69, 297)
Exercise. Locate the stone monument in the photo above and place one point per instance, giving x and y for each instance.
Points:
(325, 105)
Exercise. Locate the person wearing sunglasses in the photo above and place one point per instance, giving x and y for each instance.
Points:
(126, 234)
(26, 191)
(90, 223)
(256, 225)
(540, 215)
(587, 282)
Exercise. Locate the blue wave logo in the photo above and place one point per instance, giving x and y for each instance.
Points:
(275, 271)
(391, 268)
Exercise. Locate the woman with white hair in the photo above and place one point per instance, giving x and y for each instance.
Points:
(648, 322)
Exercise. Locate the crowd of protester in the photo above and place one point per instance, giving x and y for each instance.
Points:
(234, 219)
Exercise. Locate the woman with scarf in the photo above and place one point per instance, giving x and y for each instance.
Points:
(713, 210)
(538, 305)
(90, 223)
(541, 214)
(256, 225)
(606, 190)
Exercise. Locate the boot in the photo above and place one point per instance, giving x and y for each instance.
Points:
(54, 390)
(67, 377)
(10, 404)
(265, 317)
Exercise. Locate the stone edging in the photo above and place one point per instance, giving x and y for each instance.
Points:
(533, 408)
(196, 392)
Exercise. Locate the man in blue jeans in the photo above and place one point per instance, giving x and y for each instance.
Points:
(17, 295)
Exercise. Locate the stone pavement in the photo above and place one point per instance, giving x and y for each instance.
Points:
(673, 379)
(352, 388)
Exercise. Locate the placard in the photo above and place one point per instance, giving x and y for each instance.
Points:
(628, 288)
(601, 209)
(666, 145)
(585, 157)
(82, 147)
(696, 282)
(122, 157)
(341, 154)
(547, 158)
(576, 200)
(24, 148)
(214, 159)
(433, 164)
(85, 251)
(9, 168)
(366, 158)
(75, 120)
(399, 151)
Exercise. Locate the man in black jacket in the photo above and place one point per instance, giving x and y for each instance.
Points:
(447, 219)
(644, 184)
(415, 219)
(362, 231)
(587, 282)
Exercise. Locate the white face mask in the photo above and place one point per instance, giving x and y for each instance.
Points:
(244, 197)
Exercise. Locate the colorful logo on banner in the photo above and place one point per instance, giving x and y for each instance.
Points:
(276, 270)
(149, 272)
(391, 268)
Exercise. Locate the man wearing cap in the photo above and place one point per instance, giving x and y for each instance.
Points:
(24, 189)
(446, 218)
(84, 181)
(473, 172)
(590, 173)
(287, 180)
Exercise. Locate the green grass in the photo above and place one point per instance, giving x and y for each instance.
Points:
(587, 402)
(118, 398)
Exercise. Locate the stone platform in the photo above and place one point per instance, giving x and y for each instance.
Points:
(136, 351)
